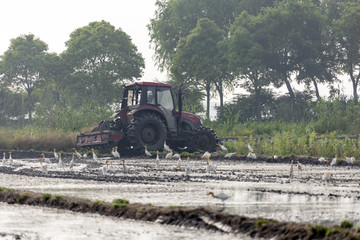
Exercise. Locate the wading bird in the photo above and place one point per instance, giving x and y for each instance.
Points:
(56, 156)
(105, 168)
(333, 162)
(169, 155)
(249, 147)
(44, 168)
(126, 169)
(229, 155)
(276, 157)
(206, 155)
(11, 162)
(210, 167)
(61, 163)
(348, 160)
(188, 167)
(176, 155)
(4, 159)
(147, 152)
(157, 161)
(111, 167)
(47, 160)
(222, 147)
(291, 169)
(115, 152)
(77, 153)
(252, 155)
(72, 162)
(223, 197)
(94, 154)
(327, 176)
(166, 147)
(299, 165)
(322, 159)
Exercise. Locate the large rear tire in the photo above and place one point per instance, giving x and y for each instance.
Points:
(146, 129)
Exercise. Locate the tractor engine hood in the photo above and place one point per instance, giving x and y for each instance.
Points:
(189, 116)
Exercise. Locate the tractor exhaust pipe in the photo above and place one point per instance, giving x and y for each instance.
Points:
(180, 98)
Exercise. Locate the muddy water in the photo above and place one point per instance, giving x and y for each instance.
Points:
(27, 222)
(258, 189)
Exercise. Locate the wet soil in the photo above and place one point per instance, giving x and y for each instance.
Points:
(144, 172)
(201, 218)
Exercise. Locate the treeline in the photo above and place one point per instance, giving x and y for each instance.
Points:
(210, 46)
(214, 46)
(70, 90)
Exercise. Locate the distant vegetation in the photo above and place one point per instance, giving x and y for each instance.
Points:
(258, 46)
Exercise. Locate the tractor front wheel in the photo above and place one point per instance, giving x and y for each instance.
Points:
(203, 139)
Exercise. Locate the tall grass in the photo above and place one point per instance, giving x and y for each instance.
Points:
(291, 143)
(31, 138)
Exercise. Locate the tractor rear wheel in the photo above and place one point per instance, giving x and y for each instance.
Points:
(203, 139)
(146, 129)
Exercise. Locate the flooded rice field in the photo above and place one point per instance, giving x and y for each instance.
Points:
(259, 188)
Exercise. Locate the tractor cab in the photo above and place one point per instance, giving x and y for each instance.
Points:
(157, 97)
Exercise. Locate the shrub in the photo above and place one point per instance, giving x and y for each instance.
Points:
(22, 198)
(46, 196)
(346, 224)
(261, 222)
(58, 197)
(98, 202)
(119, 200)
(119, 205)
(319, 230)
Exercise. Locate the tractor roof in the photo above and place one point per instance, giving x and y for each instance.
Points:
(148, 84)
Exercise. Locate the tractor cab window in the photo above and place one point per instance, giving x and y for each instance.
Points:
(150, 95)
(133, 97)
(164, 98)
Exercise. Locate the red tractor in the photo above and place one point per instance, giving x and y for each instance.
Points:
(148, 118)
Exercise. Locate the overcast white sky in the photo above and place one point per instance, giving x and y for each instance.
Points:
(53, 21)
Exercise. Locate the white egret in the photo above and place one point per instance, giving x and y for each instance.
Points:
(72, 162)
(206, 155)
(147, 152)
(61, 163)
(157, 161)
(166, 147)
(188, 167)
(94, 154)
(47, 160)
(222, 147)
(77, 153)
(327, 176)
(126, 169)
(56, 156)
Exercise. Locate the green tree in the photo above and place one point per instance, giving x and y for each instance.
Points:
(347, 33)
(174, 19)
(23, 66)
(99, 58)
(197, 59)
(245, 58)
(287, 33)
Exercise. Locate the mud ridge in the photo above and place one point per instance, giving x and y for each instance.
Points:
(199, 218)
